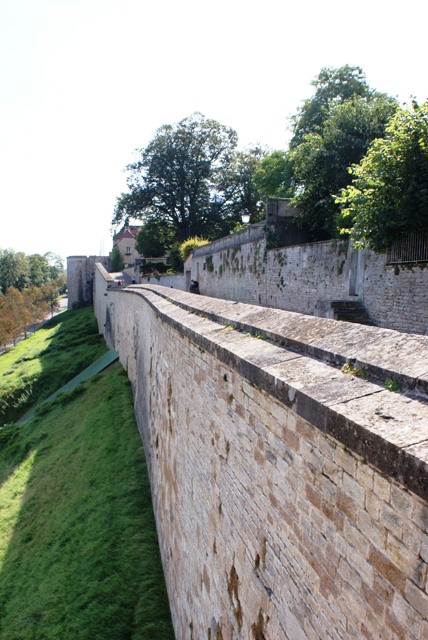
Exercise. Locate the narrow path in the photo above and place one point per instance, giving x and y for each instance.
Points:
(96, 367)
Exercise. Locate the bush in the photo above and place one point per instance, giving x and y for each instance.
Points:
(188, 246)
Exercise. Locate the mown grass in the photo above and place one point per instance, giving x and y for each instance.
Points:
(79, 558)
(54, 354)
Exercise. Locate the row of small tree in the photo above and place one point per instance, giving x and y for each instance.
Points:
(22, 310)
(29, 290)
(357, 164)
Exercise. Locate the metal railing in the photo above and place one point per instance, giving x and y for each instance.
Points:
(411, 248)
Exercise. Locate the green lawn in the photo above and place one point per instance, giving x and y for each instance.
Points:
(79, 557)
(40, 365)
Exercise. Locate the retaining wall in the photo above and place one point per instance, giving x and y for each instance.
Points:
(306, 278)
(290, 498)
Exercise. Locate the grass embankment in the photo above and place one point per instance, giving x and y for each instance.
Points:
(40, 365)
(79, 558)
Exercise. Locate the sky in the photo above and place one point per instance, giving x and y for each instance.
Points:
(84, 83)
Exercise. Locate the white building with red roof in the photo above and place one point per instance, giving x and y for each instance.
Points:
(124, 241)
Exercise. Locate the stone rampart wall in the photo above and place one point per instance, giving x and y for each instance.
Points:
(306, 278)
(176, 281)
(80, 279)
(290, 499)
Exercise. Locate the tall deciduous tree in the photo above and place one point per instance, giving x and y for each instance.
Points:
(332, 87)
(154, 238)
(388, 196)
(236, 190)
(14, 269)
(273, 176)
(39, 269)
(174, 177)
(321, 161)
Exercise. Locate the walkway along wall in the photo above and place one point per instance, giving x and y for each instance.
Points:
(306, 278)
(290, 498)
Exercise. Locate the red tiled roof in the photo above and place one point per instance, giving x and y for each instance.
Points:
(127, 232)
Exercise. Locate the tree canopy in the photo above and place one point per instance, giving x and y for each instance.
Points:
(236, 190)
(20, 271)
(321, 161)
(175, 176)
(154, 238)
(192, 181)
(388, 196)
(273, 176)
(332, 87)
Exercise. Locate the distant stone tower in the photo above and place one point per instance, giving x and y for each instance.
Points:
(80, 279)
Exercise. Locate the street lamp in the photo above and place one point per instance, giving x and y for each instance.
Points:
(245, 216)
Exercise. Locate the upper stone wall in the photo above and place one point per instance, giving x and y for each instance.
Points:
(307, 278)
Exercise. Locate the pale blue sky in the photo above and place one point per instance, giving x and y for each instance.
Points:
(85, 82)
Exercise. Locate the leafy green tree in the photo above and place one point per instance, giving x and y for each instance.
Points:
(39, 269)
(174, 177)
(273, 177)
(321, 161)
(176, 263)
(388, 196)
(117, 262)
(50, 295)
(14, 269)
(56, 265)
(236, 190)
(332, 87)
(154, 238)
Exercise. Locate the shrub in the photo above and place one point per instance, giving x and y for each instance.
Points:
(188, 246)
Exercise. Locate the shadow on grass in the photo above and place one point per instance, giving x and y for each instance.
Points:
(81, 558)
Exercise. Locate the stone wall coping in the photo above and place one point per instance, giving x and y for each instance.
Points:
(106, 275)
(381, 354)
(247, 235)
(388, 430)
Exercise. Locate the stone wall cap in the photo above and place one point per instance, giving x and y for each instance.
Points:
(388, 430)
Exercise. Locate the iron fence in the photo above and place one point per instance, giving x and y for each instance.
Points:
(411, 248)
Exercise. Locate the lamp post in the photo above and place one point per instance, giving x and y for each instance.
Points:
(245, 216)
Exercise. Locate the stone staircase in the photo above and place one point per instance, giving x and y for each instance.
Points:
(351, 311)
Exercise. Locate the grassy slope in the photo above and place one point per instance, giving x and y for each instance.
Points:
(40, 365)
(78, 550)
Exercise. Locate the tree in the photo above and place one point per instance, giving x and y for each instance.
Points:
(6, 322)
(236, 190)
(388, 196)
(332, 87)
(273, 177)
(174, 178)
(14, 269)
(35, 304)
(39, 269)
(16, 310)
(50, 294)
(322, 159)
(56, 265)
(117, 262)
(154, 238)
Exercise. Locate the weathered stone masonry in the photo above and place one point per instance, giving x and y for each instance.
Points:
(306, 278)
(291, 499)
